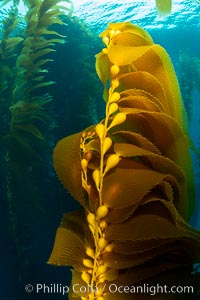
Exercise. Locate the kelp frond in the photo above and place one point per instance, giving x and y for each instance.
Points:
(9, 46)
(39, 42)
(40, 16)
(132, 174)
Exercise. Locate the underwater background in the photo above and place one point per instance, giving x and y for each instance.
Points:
(32, 200)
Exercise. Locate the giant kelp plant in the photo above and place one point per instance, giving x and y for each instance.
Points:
(25, 113)
(132, 174)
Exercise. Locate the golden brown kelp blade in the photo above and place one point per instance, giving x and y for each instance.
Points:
(132, 173)
(157, 77)
(66, 159)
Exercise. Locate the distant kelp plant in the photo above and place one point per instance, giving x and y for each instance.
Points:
(39, 41)
(189, 70)
(132, 174)
(75, 65)
(25, 111)
(9, 45)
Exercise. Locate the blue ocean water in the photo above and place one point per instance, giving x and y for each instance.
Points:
(98, 13)
(179, 34)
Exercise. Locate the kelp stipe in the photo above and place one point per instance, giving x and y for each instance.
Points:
(132, 174)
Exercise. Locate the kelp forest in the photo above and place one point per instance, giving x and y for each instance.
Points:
(56, 79)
